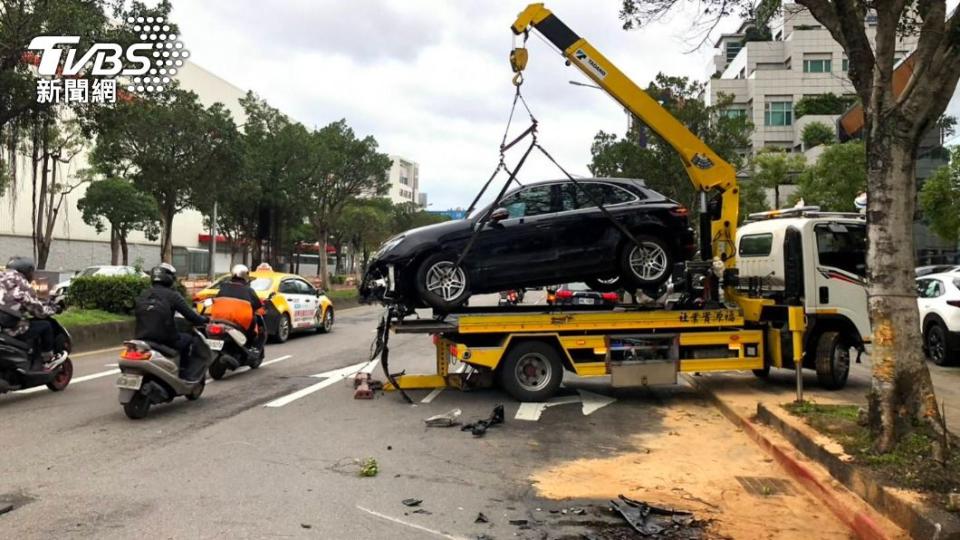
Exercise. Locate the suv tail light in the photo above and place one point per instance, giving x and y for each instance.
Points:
(564, 294)
(680, 211)
(610, 296)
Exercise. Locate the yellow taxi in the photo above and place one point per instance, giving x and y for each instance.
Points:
(292, 303)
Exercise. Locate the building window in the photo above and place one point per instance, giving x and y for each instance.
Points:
(733, 48)
(778, 113)
(816, 65)
(845, 64)
(404, 180)
(735, 112)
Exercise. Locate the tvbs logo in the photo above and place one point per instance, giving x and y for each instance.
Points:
(145, 66)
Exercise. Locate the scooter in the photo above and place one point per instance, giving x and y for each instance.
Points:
(227, 338)
(150, 375)
(17, 359)
(511, 297)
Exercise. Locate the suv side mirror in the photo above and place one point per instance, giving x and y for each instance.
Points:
(499, 214)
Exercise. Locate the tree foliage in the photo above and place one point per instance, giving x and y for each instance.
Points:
(940, 199)
(817, 133)
(835, 180)
(645, 155)
(773, 167)
(828, 103)
(117, 204)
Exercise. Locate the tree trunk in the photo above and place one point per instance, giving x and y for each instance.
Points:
(115, 246)
(322, 266)
(124, 249)
(166, 235)
(901, 387)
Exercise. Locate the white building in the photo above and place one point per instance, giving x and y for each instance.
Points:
(768, 78)
(77, 244)
(404, 177)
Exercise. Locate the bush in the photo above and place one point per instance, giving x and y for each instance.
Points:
(115, 294)
(817, 133)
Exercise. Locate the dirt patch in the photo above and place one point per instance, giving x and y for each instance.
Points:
(693, 464)
(908, 466)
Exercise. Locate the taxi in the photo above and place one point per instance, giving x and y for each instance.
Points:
(292, 303)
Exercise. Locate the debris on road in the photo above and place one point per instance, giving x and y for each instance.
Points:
(447, 419)
(481, 518)
(305, 526)
(5, 507)
(650, 520)
(412, 502)
(369, 467)
(479, 427)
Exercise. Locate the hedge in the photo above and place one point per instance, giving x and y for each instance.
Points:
(115, 294)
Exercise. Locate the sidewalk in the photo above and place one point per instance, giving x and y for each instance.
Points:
(742, 390)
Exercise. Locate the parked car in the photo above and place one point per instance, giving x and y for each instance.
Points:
(935, 269)
(292, 303)
(539, 234)
(938, 298)
(59, 292)
(580, 294)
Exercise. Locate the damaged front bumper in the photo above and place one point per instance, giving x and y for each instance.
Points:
(379, 284)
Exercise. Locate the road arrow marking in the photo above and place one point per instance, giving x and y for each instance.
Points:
(590, 403)
(330, 378)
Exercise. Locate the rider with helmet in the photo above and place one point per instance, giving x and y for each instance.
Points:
(155, 309)
(18, 296)
(238, 287)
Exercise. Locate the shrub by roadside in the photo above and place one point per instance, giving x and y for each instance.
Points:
(77, 317)
(115, 294)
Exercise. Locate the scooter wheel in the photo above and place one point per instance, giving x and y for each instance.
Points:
(217, 370)
(138, 407)
(198, 392)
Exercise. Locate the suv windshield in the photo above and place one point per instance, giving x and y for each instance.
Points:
(843, 246)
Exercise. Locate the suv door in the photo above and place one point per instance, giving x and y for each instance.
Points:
(587, 240)
(522, 246)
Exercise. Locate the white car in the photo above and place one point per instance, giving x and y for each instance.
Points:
(938, 297)
(59, 291)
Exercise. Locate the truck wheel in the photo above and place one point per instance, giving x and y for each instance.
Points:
(531, 371)
(647, 265)
(832, 360)
(137, 407)
(441, 284)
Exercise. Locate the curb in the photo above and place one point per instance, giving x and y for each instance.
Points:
(919, 520)
(861, 523)
(100, 336)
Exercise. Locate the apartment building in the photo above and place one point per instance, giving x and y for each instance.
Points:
(404, 177)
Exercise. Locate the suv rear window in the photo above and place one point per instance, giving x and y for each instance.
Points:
(756, 245)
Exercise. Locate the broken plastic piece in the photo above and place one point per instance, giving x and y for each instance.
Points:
(650, 520)
(479, 427)
(481, 518)
(412, 502)
(446, 419)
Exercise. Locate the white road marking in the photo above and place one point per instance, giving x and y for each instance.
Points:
(111, 365)
(72, 381)
(590, 403)
(438, 534)
(91, 353)
(330, 378)
(433, 393)
(369, 366)
(275, 360)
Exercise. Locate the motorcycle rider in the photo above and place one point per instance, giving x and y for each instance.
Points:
(155, 309)
(18, 296)
(238, 286)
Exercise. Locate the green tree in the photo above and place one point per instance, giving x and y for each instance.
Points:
(172, 148)
(772, 168)
(364, 224)
(753, 198)
(817, 133)
(349, 167)
(409, 215)
(940, 199)
(828, 103)
(839, 175)
(643, 154)
(119, 205)
(895, 123)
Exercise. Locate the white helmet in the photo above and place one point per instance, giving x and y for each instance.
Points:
(240, 271)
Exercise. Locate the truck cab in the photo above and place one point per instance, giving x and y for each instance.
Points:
(817, 260)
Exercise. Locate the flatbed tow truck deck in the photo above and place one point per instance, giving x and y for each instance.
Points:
(528, 348)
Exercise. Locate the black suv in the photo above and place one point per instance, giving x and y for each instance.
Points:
(539, 234)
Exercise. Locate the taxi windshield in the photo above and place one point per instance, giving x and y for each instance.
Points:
(261, 284)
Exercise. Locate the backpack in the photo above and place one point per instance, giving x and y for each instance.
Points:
(154, 318)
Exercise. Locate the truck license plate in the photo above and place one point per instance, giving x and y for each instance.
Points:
(215, 344)
(129, 382)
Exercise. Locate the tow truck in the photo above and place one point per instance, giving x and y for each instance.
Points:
(786, 291)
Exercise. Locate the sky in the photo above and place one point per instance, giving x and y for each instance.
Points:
(430, 79)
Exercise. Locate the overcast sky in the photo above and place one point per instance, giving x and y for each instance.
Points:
(430, 79)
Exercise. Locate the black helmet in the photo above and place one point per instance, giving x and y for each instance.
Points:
(164, 274)
(24, 265)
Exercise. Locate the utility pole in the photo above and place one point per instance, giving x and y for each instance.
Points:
(212, 253)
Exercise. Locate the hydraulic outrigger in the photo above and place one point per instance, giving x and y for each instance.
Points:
(528, 348)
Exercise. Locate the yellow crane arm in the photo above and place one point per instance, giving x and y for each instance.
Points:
(707, 170)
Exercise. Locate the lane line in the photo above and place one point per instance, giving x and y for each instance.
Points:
(275, 360)
(436, 533)
(72, 381)
(91, 353)
(331, 378)
(433, 393)
(111, 365)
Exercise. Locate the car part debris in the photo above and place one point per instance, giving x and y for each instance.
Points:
(5, 507)
(479, 427)
(369, 467)
(481, 518)
(422, 511)
(364, 386)
(412, 502)
(446, 419)
(651, 520)
(519, 522)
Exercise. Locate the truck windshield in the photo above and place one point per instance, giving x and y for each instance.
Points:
(843, 246)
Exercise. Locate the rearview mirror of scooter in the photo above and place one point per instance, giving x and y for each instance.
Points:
(499, 215)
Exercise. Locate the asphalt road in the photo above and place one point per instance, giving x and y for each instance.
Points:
(230, 466)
